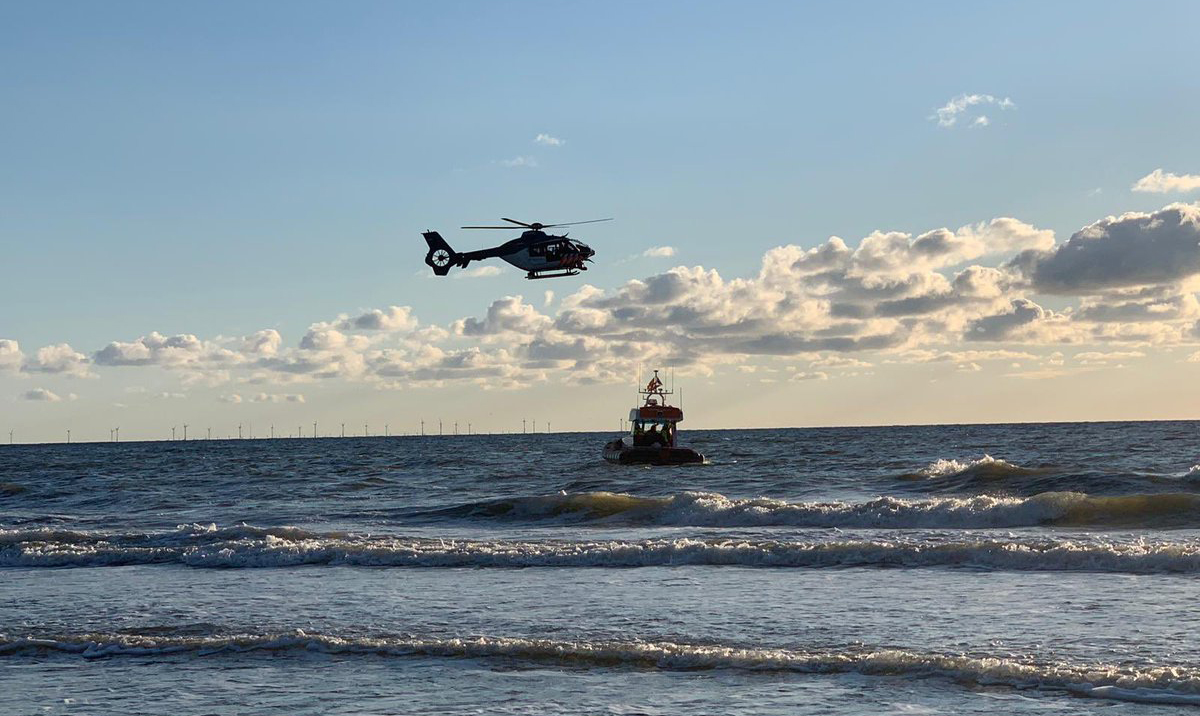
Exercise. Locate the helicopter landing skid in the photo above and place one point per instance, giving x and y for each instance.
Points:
(534, 274)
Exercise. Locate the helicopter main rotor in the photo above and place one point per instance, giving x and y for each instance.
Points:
(536, 226)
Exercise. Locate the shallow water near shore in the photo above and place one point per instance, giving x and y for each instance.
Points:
(936, 569)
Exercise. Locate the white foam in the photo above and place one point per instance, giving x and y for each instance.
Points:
(1155, 684)
(1093, 554)
(948, 468)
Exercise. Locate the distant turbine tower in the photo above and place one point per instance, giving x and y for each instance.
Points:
(314, 428)
(366, 433)
(422, 427)
(68, 436)
(239, 431)
(343, 430)
(11, 432)
(439, 426)
(272, 431)
(522, 425)
(118, 431)
(385, 430)
(185, 432)
(468, 428)
(210, 433)
(172, 432)
(456, 427)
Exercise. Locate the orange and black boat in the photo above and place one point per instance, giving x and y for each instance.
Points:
(653, 432)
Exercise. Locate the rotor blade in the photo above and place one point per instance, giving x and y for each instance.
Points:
(574, 223)
(518, 223)
(506, 228)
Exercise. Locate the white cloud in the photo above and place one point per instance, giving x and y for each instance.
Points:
(548, 140)
(937, 297)
(393, 318)
(231, 398)
(1158, 182)
(961, 106)
(11, 356)
(41, 394)
(1102, 358)
(59, 359)
(276, 398)
(659, 252)
(520, 161)
(478, 272)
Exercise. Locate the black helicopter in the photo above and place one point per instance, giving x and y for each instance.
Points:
(540, 254)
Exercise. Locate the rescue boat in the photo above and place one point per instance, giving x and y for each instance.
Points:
(653, 432)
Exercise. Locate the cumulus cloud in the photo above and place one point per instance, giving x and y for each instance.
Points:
(41, 394)
(507, 314)
(392, 318)
(999, 326)
(478, 272)
(59, 359)
(958, 297)
(659, 252)
(233, 398)
(967, 105)
(178, 351)
(549, 141)
(11, 356)
(1134, 249)
(1158, 182)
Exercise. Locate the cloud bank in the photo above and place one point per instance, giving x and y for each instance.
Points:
(970, 297)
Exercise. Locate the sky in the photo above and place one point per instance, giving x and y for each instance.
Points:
(824, 214)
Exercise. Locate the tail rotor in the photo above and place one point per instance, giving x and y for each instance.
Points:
(440, 257)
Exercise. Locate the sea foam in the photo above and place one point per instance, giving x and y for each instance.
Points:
(267, 550)
(1125, 682)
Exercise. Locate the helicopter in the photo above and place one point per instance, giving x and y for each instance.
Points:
(540, 254)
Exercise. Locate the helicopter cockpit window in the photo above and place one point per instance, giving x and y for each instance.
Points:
(537, 250)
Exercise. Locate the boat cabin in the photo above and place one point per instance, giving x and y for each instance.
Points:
(654, 423)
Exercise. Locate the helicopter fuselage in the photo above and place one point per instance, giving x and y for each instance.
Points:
(540, 254)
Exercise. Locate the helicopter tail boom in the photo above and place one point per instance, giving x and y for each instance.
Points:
(440, 257)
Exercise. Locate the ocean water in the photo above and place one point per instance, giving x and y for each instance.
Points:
(1040, 569)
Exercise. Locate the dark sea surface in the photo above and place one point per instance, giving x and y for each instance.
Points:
(1048, 569)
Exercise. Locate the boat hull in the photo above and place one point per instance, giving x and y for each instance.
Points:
(622, 454)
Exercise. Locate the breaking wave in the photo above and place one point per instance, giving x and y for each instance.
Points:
(710, 509)
(986, 467)
(1152, 684)
(288, 547)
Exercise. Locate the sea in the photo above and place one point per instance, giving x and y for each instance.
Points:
(954, 569)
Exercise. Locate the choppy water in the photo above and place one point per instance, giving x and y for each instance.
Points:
(1046, 569)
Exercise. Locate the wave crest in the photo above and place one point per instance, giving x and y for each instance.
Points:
(1156, 684)
(1141, 557)
(710, 509)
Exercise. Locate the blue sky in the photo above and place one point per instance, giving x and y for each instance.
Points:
(221, 168)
